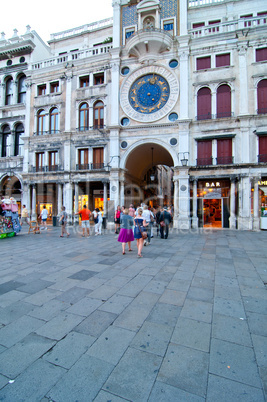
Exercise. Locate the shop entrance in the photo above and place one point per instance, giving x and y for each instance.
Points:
(212, 210)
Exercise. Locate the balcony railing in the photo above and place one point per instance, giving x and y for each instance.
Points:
(262, 158)
(223, 27)
(89, 128)
(262, 110)
(49, 132)
(52, 168)
(224, 160)
(90, 166)
(204, 161)
(209, 116)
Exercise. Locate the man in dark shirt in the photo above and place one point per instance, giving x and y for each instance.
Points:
(164, 221)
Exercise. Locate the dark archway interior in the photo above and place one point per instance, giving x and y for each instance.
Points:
(140, 160)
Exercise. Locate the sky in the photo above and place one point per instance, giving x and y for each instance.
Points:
(51, 16)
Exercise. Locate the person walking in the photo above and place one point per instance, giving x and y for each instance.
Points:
(98, 222)
(63, 221)
(24, 215)
(164, 220)
(117, 219)
(139, 227)
(85, 214)
(43, 216)
(126, 232)
(147, 215)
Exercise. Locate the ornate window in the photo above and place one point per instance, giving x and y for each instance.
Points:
(5, 140)
(9, 91)
(41, 122)
(39, 163)
(53, 121)
(204, 153)
(21, 89)
(19, 131)
(99, 115)
(84, 117)
(98, 158)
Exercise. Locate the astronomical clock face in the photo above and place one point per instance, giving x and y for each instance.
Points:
(149, 94)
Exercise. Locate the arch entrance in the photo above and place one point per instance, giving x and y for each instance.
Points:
(10, 186)
(148, 174)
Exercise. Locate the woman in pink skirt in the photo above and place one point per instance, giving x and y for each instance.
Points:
(126, 232)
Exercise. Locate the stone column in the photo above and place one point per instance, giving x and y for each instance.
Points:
(68, 200)
(184, 89)
(33, 211)
(243, 88)
(116, 23)
(176, 202)
(244, 216)
(256, 219)
(194, 217)
(232, 218)
(183, 17)
(122, 192)
(76, 202)
(59, 198)
(183, 220)
(26, 197)
(68, 114)
(105, 198)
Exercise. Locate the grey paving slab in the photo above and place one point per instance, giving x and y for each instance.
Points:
(257, 323)
(14, 311)
(96, 323)
(104, 396)
(175, 297)
(235, 362)
(187, 333)
(59, 326)
(33, 383)
(162, 392)
(134, 376)
(260, 348)
(255, 305)
(16, 359)
(231, 329)
(112, 344)
(9, 285)
(185, 368)
(82, 382)
(74, 344)
(166, 314)
(153, 338)
(223, 389)
(17, 330)
(11, 297)
(233, 308)
(49, 310)
(85, 306)
(72, 295)
(197, 310)
(116, 304)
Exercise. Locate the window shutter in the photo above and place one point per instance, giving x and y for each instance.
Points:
(223, 101)
(223, 60)
(204, 104)
(203, 63)
(262, 97)
(261, 54)
(224, 151)
(204, 153)
(263, 149)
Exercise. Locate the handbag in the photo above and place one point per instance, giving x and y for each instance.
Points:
(162, 224)
(143, 234)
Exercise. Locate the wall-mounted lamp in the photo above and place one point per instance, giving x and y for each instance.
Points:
(184, 159)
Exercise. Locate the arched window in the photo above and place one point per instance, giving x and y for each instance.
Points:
(53, 121)
(5, 141)
(9, 91)
(204, 104)
(83, 117)
(99, 115)
(262, 97)
(223, 101)
(19, 131)
(41, 117)
(21, 89)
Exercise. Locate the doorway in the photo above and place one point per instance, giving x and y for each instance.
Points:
(212, 211)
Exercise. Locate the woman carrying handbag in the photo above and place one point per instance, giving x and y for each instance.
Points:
(139, 231)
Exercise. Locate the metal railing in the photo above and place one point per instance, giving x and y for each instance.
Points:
(209, 116)
(90, 166)
(262, 158)
(204, 161)
(224, 160)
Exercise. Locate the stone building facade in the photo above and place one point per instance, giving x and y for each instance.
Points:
(165, 103)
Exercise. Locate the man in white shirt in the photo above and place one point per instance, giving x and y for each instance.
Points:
(44, 215)
(147, 215)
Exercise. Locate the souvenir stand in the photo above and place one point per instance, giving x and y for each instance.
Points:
(9, 219)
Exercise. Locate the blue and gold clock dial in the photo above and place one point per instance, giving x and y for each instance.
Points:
(149, 93)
